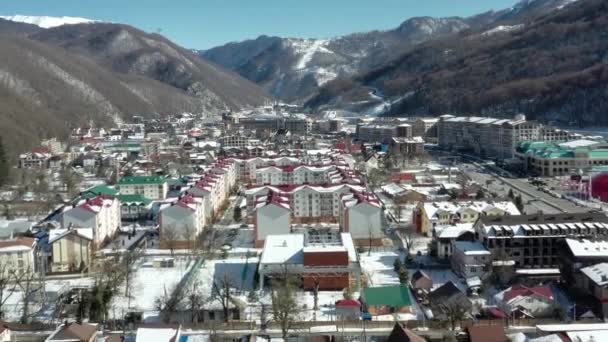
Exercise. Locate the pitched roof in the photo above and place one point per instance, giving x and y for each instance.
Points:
(387, 295)
(128, 180)
(445, 291)
(487, 333)
(74, 331)
(134, 199)
(18, 243)
(348, 302)
(419, 274)
(523, 291)
(401, 334)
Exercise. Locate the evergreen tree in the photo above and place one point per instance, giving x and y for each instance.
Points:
(511, 194)
(519, 203)
(4, 165)
(237, 213)
(397, 264)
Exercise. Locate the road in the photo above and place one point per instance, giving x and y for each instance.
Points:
(534, 200)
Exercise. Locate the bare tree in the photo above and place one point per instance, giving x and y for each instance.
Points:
(167, 303)
(28, 284)
(8, 286)
(408, 237)
(222, 289)
(454, 311)
(169, 236)
(190, 236)
(284, 304)
(194, 300)
(128, 261)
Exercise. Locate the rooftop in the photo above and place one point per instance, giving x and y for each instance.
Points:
(597, 273)
(130, 180)
(587, 248)
(395, 296)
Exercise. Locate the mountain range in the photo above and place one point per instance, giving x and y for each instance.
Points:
(53, 79)
(553, 66)
(292, 69)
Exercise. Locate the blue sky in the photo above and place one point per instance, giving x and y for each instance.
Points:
(207, 23)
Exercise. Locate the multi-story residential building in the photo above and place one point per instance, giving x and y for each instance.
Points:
(309, 204)
(327, 259)
(429, 215)
(246, 169)
(305, 174)
(426, 128)
(406, 147)
(237, 141)
(536, 241)
(361, 216)
(557, 159)
(182, 222)
(470, 259)
(272, 217)
(152, 187)
(487, 137)
(71, 249)
(37, 159)
(383, 133)
(101, 213)
(578, 253)
(54, 146)
(18, 255)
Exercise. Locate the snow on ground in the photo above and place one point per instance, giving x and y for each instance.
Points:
(378, 268)
(239, 272)
(148, 284)
(441, 277)
(502, 28)
(307, 48)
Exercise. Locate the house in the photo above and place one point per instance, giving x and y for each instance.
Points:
(74, 332)
(522, 301)
(594, 280)
(272, 216)
(102, 213)
(579, 253)
(18, 255)
(446, 236)
(328, 259)
(361, 216)
(387, 300)
(470, 259)
(403, 334)
(152, 187)
(70, 249)
(348, 310)
(487, 333)
(432, 214)
(421, 281)
(445, 297)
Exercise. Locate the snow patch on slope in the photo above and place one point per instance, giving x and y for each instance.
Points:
(502, 28)
(306, 50)
(46, 21)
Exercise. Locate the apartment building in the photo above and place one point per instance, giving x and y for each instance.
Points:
(383, 132)
(237, 141)
(536, 241)
(550, 159)
(429, 215)
(182, 222)
(406, 147)
(101, 213)
(361, 216)
(18, 255)
(470, 259)
(272, 216)
(305, 174)
(152, 187)
(246, 169)
(308, 203)
(486, 137)
(215, 185)
(426, 128)
(328, 259)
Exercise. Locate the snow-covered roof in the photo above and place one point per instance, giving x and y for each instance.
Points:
(157, 335)
(588, 248)
(471, 248)
(597, 273)
(453, 231)
(431, 208)
(283, 249)
(573, 327)
(56, 234)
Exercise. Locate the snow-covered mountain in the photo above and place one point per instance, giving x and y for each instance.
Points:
(293, 69)
(46, 21)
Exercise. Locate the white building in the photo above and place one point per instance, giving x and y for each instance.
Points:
(182, 222)
(361, 216)
(470, 259)
(272, 217)
(18, 255)
(522, 301)
(101, 213)
(152, 187)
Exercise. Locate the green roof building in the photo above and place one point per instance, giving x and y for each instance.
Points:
(151, 187)
(387, 299)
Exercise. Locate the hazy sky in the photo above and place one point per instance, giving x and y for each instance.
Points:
(206, 23)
